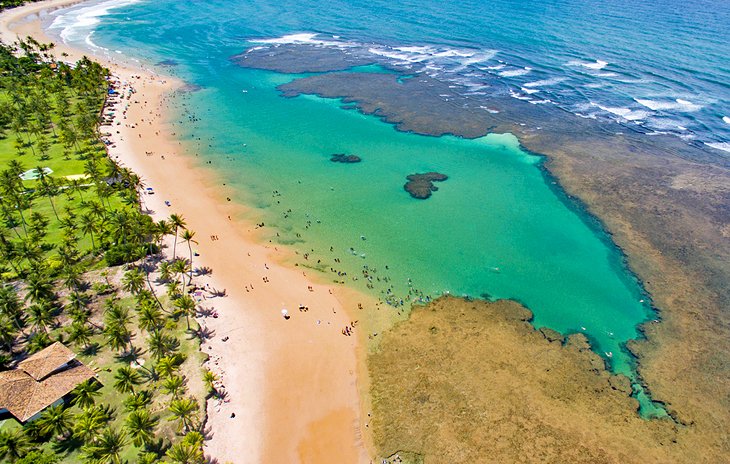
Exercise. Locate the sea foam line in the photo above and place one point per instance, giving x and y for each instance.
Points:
(677, 104)
(596, 65)
(77, 24)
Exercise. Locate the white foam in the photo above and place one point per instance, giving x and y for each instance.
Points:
(515, 72)
(625, 113)
(519, 96)
(726, 119)
(415, 49)
(546, 82)
(304, 37)
(78, 24)
(489, 110)
(596, 65)
(529, 91)
(724, 146)
(677, 104)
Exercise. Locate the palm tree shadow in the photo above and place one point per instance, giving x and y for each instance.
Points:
(204, 333)
(219, 293)
(67, 445)
(91, 350)
(159, 446)
(207, 432)
(129, 355)
(203, 270)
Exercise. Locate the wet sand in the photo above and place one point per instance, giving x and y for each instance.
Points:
(292, 384)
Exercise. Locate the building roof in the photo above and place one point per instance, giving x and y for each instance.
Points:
(43, 363)
(24, 396)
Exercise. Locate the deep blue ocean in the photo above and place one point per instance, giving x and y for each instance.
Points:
(660, 64)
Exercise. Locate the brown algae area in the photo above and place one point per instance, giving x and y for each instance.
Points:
(472, 381)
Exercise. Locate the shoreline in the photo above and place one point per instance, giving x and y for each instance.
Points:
(292, 384)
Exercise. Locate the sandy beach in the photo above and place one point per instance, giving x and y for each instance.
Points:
(292, 384)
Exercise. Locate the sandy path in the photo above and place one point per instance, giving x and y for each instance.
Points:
(292, 384)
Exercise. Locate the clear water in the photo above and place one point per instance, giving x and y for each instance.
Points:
(498, 228)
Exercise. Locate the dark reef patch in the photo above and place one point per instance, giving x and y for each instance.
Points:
(344, 158)
(168, 63)
(421, 185)
(300, 59)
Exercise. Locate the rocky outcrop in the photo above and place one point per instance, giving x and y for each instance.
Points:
(421, 185)
(346, 159)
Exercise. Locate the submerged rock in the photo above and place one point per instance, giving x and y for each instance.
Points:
(421, 185)
(343, 158)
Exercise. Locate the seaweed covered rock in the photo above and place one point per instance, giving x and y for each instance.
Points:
(421, 185)
(343, 158)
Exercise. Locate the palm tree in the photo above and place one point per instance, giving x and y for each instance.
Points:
(41, 317)
(79, 332)
(88, 423)
(187, 237)
(47, 187)
(174, 385)
(39, 288)
(88, 227)
(118, 336)
(10, 306)
(37, 341)
(173, 289)
(141, 426)
(107, 448)
(133, 281)
(186, 305)
(184, 410)
(13, 445)
(126, 378)
(166, 366)
(185, 453)
(177, 222)
(56, 420)
(114, 313)
(84, 393)
(180, 266)
(209, 378)
(157, 343)
(150, 318)
(8, 333)
(138, 400)
(165, 271)
(116, 319)
(162, 228)
(147, 457)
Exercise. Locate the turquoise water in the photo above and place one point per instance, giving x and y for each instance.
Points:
(498, 227)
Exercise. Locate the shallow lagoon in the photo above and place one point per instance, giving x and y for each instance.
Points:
(497, 228)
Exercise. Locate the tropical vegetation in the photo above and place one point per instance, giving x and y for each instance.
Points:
(81, 263)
